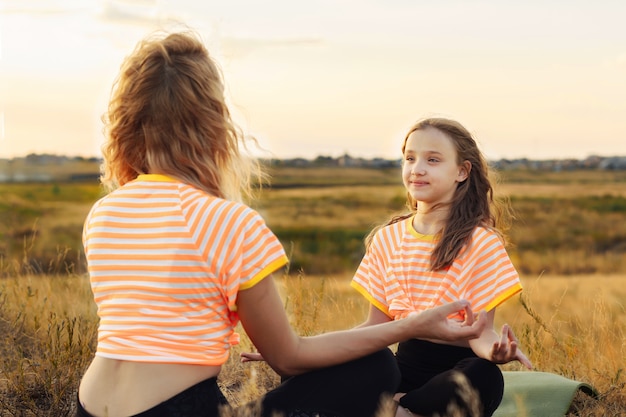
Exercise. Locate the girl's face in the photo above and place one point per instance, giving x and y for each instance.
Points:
(430, 171)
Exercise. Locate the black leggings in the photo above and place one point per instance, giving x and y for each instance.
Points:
(352, 389)
(434, 376)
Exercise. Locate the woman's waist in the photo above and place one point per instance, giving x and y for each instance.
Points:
(128, 387)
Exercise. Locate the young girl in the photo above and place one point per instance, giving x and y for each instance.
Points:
(176, 260)
(447, 248)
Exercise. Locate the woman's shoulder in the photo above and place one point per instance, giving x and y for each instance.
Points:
(198, 203)
(190, 194)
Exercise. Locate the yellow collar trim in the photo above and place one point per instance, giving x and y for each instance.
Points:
(417, 234)
(155, 178)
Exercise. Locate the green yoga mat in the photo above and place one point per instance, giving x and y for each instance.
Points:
(538, 394)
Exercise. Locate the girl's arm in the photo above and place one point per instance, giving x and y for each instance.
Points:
(375, 316)
(263, 318)
(503, 348)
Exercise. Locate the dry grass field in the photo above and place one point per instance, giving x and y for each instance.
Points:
(572, 324)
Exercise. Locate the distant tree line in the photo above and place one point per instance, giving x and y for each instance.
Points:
(591, 162)
(39, 167)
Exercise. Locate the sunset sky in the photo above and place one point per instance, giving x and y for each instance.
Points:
(536, 79)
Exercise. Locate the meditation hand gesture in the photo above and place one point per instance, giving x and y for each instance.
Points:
(506, 349)
(441, 327)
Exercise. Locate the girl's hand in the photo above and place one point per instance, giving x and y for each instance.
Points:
(506, 349)
(251, 357)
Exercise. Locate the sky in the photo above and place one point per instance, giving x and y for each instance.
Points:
(530, 79)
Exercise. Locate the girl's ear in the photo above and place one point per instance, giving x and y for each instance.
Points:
(464, 171)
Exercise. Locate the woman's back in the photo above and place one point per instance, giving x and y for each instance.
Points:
(166, 262)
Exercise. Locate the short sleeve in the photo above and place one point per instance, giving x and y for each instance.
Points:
(257, 254)
(492, 277)
(369, 278)
(86, 226)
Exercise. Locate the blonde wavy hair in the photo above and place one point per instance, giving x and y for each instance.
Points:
(168, 115)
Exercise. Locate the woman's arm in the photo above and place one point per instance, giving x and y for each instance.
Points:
(503, 348)
(262, 315)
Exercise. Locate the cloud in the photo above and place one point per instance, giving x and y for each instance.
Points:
(242, 47)
(132, 11)
(45, 7)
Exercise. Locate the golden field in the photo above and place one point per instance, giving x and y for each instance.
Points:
(572, 326)
(567, 241)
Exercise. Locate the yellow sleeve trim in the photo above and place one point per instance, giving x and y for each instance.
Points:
(503, 297)
(272, 267)
(369, 298)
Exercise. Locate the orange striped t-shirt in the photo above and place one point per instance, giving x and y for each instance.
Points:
(395, 274)
(166, 262)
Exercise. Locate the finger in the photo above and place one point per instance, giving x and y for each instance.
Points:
(495, 351)
(469, 315)
(475, 329)
(504, 336)
(250, 356)
(454, 307)
(480, 321)
(524, 360)
(511, 335)
(512, 350)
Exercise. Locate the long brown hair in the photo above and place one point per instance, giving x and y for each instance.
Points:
(473, 203)
(168, 115)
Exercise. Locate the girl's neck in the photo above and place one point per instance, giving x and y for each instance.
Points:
(429, 221)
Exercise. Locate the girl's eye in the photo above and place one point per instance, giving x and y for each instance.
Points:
(433, 160)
